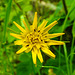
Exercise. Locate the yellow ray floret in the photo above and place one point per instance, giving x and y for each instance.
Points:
(25, 24)
(53, 42)
(19, 26)
(34, 56)
(16, 35)
(35, 21)
(18, 42)
(21, 50)
(53, 35)
(36, 39)
(43, 24)
(48, 52)
(40, 56)
(46, 29)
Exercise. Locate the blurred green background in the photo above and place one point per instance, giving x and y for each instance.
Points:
(51, 10)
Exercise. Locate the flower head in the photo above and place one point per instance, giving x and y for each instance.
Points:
(36, 39)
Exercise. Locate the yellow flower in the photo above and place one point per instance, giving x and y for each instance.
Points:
(36, 39)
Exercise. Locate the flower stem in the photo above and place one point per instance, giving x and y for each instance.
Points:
(71, 57)
(54, 68)
(66, 58)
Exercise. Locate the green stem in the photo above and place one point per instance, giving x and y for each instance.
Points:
(54, 68)
(65, 7)
(60, 53)
(71, 57)
(63, 26)
(59, 56)
(39, 73)
(66, 58)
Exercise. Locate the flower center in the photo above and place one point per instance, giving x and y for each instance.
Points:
(34, 38)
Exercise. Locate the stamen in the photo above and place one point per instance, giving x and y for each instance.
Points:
(27, 45)
(38, 30)
(34, 30)
(46, 41)
(45, 36)
(41, 40)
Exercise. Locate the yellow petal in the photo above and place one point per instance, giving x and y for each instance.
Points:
(42, 25)
(21, 50)
(31, 27)
(46, 29)
(19, 26)
(38, 46)
(40, 56)
(28, 50)
(18, 42)
(43, 44)
(53, 42)
(53, 35)
(35, 21)
(34, 56)
(15, 35)
(48, 52)
(25, 24)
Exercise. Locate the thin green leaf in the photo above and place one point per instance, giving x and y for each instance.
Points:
(7, 19)
(73, 29)
(66, 58)
(69, 12)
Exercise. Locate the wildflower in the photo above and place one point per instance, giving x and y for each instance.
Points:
(36, 39)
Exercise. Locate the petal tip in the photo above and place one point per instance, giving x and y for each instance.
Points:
(14, 22)
(11, 34)
(35, 12)
(17, 52)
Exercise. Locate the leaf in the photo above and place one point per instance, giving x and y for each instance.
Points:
(10, 38)
(58, 28)
(24, 68)
(69, 12)
(25, 57)
(37, 68)
(7, 19)
(68, 2)
(73, 29)
(73, 72)
(27, 8)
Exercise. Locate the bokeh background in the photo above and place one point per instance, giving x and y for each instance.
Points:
(51, 10)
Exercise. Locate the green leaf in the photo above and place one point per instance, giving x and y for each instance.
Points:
(10, 38)
(73, 72)
(24, 68)
(73, 29)
(58, 28)
(69, 12)
(25, 57)
(27, 8)
(68, 2)
(7, 19)
(37, 68)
